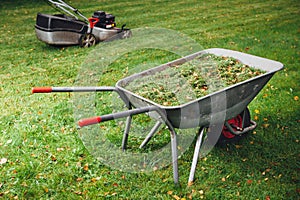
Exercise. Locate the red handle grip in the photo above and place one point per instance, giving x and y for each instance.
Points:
(93, 21)
(41, 90)
(89, 121)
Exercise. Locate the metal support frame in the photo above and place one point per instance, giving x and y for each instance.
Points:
(150, 135)
(126, 133)
(196, 155)
(173, 136)
(243, 130)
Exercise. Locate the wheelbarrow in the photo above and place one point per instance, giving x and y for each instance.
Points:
(195, 113)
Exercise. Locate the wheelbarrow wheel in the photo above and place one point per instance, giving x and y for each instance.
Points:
(237, 124)
(87, 40)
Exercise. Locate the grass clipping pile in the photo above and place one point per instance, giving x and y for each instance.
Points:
(183, 83)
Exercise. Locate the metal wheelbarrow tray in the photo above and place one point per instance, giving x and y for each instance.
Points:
(196, 113)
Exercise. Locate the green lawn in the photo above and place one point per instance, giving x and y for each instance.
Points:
(42, 156)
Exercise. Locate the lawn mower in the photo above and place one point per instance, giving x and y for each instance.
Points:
(71, 27)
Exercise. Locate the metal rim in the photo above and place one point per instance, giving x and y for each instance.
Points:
(87, 40)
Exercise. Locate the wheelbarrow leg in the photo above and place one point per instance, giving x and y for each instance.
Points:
(126, 133)
(173, 135)
(174, 155)
(174, 151)
(128, 123)
(151, 133)
(196, 155)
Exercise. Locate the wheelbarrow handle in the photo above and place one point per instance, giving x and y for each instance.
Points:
(98, 119)
(41, 90)
(71, 89)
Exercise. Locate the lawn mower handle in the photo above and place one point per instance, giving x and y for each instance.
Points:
(71, 89)
(98, 119)
(93, 21)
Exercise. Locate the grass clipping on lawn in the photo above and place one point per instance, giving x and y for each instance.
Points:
(180, 84)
